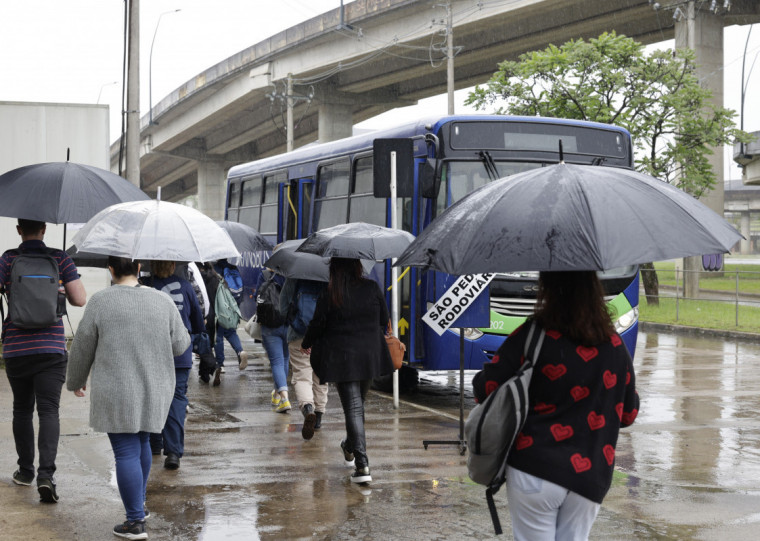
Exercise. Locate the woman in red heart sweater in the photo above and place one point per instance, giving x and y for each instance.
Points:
(582, 392)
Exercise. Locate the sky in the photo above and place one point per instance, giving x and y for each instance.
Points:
(71, 51)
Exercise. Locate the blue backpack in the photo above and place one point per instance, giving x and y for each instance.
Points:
(234, 282)
(304, 302)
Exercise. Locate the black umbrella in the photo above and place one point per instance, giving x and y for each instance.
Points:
(62, 192)
(302, 265)
(357, 240)
(569, 217)
(245, 238)
(87, 259)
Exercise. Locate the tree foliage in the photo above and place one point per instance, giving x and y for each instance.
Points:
(610, 79)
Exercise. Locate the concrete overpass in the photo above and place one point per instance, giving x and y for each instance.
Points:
(380, 55)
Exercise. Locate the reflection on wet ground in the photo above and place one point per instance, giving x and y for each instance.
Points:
(688, 469)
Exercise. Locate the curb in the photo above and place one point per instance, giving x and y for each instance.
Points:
(698, 331)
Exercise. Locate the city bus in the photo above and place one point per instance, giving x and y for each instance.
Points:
(291, 195)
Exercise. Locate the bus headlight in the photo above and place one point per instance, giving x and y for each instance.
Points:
(626, 321)
(472, 333)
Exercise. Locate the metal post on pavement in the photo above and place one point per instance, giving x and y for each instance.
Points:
(737, 297)
(677, 294)
(394, 274)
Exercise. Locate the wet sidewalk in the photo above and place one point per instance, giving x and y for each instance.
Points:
(248, 474)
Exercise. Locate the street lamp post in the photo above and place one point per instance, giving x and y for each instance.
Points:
(150, 67)
(102, 87)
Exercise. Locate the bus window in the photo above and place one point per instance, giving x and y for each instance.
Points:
(233, 203)
(461, 178)
(251, 201)
(363, 206)
(330, 203)
(268, 224)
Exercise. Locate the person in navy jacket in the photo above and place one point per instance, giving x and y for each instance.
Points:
(172, 438)
(581, 393)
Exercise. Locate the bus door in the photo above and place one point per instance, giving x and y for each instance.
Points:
(295, 209)
(411, 298)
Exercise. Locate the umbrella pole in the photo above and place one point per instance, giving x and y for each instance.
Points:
(461, 441)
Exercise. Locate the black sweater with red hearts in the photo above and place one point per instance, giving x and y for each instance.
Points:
(580, 397)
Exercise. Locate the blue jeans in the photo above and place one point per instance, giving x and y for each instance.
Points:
(232, 338)
(133, 458)
(174, 428)
(275, 341)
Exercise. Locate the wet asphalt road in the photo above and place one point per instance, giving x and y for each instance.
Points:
(688, 469)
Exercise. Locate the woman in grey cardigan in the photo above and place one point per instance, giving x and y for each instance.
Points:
(127, 340)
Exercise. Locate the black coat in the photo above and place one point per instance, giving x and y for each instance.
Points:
(348, 343)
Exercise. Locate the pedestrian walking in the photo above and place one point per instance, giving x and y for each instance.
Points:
(582, 392)
(127, 341)
(172, 437)
(207, 364)
(35, 359)
(274, 335)
(298, 300)
(223, 269)
(346, 341)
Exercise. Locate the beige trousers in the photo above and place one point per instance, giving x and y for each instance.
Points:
(305, 382)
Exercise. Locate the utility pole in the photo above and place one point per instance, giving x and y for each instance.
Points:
(450, 57)
(289, 104)
(133, 95)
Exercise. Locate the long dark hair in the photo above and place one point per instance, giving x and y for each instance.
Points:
(122, 266)
(573, 303)
(343, 272)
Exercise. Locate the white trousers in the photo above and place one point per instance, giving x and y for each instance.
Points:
(305, 382)
(543, 511)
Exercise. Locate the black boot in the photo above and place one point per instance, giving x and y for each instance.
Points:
(309, 420)
(318, 424)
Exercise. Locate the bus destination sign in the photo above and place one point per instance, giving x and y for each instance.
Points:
(456, 300)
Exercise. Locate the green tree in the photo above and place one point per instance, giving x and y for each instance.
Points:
(610, 79)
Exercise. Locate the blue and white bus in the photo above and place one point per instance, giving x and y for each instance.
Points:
(291, 195)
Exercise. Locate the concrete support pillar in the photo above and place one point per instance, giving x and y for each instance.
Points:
(746, 243)
(212, 189)
(335, 122)
(702, 31)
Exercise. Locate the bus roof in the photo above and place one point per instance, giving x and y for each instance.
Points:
(365, 141)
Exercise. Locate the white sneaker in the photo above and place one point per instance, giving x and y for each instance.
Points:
(361, 475)
(242, 360)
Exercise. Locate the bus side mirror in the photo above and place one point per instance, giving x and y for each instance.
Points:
(381, 167)
(430, 179)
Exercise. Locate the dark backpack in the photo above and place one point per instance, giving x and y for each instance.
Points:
(36, 298)
(304, 302)
(491, 427)
(234, 282)
(268, 303)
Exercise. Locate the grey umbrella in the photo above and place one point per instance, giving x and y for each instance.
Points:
(293, 264)
(62, 192)
(569, 217)
(245, 238)
(357, 240)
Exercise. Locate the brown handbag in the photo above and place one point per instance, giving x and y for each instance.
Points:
(396, 348)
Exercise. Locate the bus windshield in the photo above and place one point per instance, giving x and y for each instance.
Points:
(461, 178)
